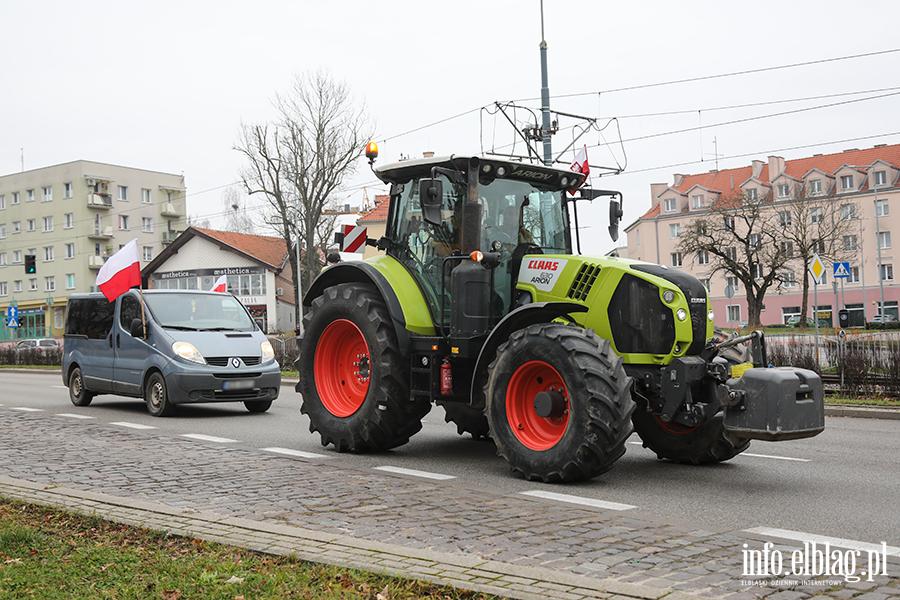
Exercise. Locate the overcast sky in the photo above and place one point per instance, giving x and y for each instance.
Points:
(165, 86)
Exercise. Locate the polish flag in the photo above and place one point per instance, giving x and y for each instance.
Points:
(581, 162)
(219, 285)
(121, 272)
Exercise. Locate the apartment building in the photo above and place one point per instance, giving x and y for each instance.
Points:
(861, 185)
(72, 217)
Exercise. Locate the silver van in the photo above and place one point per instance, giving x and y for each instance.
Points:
(196, 347)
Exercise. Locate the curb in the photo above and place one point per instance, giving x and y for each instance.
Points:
(460, 571)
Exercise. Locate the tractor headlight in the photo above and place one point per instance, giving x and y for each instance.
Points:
(268, 353)
(710, 315)
(668, 296)
(188, 352)
(681, 314)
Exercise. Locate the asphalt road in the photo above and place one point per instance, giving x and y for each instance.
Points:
(844, 483)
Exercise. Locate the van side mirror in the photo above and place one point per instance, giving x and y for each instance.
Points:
(137, 328)
(431, 196)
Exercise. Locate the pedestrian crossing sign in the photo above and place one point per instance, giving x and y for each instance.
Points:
(841, 269)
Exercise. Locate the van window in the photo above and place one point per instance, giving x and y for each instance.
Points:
(90, 317)
(130, 310)
(198, 311)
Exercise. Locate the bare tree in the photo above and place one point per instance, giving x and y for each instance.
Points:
(738, 236)
(299, 162)
(237, 216)
(816, 224)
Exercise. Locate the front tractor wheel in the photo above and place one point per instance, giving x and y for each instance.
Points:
(354, 381)
(706, 443)
(559, 403)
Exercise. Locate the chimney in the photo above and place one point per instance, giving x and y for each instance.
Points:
(757, 167)
(678, 179)
(655, 190)
(776, 167)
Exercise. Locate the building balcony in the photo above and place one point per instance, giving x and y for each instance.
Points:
(99, 233)
(169, 236)
(169, 210)
(95, 262)
(99, 200)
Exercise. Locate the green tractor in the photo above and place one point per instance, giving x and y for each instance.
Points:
(478, 304)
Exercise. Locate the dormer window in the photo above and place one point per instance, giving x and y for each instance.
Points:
(815, 187)
(847, 182)
(697, 201)
(880, 177)
(751, 195)
(784, 190)
(671, 204)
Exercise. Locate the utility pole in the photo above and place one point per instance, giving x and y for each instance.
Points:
(545, 97)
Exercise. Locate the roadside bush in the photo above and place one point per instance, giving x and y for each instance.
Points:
(44, 357)
(886, 326)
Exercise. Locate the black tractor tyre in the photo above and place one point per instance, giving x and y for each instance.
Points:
(558, 403)
(467, 419)
(77, 392)
(354, 381)
(704, 444)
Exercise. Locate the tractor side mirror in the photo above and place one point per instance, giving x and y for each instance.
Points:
(615, 214)
(431, 196)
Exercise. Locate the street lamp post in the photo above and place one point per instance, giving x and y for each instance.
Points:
(880, 266)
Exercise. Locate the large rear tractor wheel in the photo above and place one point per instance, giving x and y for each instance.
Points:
(355, 383)
(707, 443)
(559, 403)
(467, 419)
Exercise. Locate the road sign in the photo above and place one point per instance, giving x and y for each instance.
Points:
(841, 269)
(816, 268)
(12, 314)
(729, 291)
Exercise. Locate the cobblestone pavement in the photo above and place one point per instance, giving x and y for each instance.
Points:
(434, 531)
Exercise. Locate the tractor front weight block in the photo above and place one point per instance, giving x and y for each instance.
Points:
(784, 403)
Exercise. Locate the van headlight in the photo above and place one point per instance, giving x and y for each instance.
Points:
(268, 353)
(188, 352)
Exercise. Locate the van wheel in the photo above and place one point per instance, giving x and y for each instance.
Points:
(77, 394)
(156, 397)
(257, 406)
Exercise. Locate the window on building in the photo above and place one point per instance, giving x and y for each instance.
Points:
(16, 226)
(884, 239)
(30, 225)
(734, 313)
(886, 272)
(787, 248)
(47, 224)
(706, 284)
(846, 182)
(671, 204)
(48, 253)
(68, 221)
(2, 259)
(123, 193)
(15, 197)
(145, 196)
(123, 221)
(4, 288)
(849, 243)
(674, 231)
(729, 223)
(17, 286)
(50, 284)
(70, 250)
(17, 257)
(148, 253)
(854, 275)
(2, 230)
(788, 279)
(703, 257)
(29, 195)
(815, 187)
(676, 259)
(882, 208)
(47, 194)
(754, 240)
(784, 218)
(697, 201)
(733, 282)
(2, 201)
(70, 281)
(731, 253)
(784, 190)
(848, 212)
(751, 195)
(758, 271)
(67, 190)
(32, 284)
(147, 224)
(880, 177)
(815, 214)
(818, 245)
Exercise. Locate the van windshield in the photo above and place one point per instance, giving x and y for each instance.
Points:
(200, 312)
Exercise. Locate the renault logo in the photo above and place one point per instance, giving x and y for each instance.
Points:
(235, 363)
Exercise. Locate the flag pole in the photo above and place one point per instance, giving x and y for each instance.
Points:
(143, 317)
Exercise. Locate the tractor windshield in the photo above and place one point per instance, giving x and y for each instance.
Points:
(515, 214)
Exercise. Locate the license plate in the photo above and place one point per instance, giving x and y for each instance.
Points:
(241, 384)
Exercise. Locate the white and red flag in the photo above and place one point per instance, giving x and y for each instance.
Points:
(220, 284)
(121, 272)
(581, 162)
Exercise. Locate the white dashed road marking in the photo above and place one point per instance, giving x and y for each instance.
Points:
(132, 425)
(822, 539)
(73, 416)
(776, 457)
(297, 453)
(414, 473)
(27, 409)
(208, 438)
(578, 500)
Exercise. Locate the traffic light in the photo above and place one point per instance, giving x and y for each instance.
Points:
(30, 264)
